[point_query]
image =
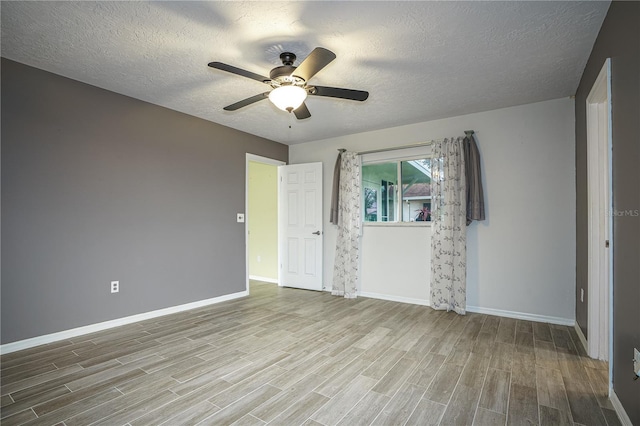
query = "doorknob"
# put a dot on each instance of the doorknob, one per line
(316, 233)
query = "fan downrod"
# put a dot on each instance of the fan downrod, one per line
(287, 58)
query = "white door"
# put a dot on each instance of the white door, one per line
(300, 225)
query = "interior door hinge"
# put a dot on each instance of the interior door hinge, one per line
(606, 243)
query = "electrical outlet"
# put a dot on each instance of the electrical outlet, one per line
(582, 294)
(115, 286)
(636, 361)
(259, 259)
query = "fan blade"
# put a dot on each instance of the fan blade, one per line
(239, 71)
(313, 63)
(302, 112)
(248, 101)
(336, 92)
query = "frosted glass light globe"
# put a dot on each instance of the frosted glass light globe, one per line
(288, 98)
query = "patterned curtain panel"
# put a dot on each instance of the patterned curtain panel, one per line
(449, 233)
(347, 263)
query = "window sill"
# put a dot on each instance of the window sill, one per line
(397, 224)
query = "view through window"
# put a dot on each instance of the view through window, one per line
(397, 191)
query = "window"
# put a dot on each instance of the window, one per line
(416, 190)
(398, 189)
(380, 182)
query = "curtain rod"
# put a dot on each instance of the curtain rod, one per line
(468, 133)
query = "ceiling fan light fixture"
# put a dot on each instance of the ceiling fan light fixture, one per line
(288, 98)
(289, 83)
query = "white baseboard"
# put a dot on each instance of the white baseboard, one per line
(477, 309)
(264, 279)
(583, 340)
(392, 298)
(620, 411)
(75, 332)
(522, 316)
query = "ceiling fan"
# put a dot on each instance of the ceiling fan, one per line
(289, 83)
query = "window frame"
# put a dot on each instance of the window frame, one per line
(395, 156)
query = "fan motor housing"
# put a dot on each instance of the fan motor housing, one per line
(281, 76)
(282, 71)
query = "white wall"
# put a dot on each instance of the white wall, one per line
(521, 259)
(395, 262)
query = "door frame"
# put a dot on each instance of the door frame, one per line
(264, 160)
(600, 223)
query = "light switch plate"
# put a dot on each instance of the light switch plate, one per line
(636, 361)
(240, 218)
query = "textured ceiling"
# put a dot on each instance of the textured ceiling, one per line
(419, 60)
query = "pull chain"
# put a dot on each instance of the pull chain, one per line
(291, 115)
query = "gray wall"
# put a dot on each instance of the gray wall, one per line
(619, 39)
(97, 186)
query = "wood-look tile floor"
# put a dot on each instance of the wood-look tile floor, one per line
(288, 357)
